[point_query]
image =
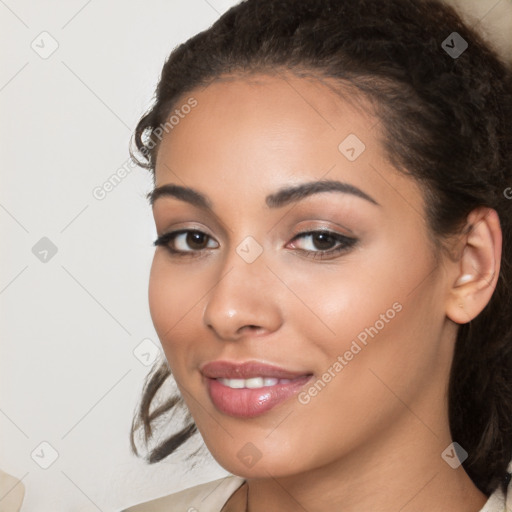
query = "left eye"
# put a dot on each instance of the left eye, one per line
(324, 242)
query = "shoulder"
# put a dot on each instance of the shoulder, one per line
(498, 501)
(208, 497)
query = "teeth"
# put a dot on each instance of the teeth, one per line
(234, 383)
(252, 383)
(255, 382)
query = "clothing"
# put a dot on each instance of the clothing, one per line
(12, 492)
(212, 496)
(209, 497)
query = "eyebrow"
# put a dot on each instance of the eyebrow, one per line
(282, 197)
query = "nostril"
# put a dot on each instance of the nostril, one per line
(251, 327)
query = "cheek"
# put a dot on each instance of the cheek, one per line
(172, 297)
(386, 314)
(378, 311)
(356, 297)
(161, 297)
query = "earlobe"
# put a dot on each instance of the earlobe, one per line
(477, 268)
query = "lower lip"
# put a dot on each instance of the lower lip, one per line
(248, 403)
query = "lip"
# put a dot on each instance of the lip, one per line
(247, 370)
(245, 402)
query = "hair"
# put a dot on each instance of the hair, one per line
(444, 123)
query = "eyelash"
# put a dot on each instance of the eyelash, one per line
(345, 242)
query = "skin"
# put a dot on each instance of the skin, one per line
(372, 439)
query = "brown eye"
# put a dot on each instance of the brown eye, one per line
(321, 243)
(195, 239)
(185, 241)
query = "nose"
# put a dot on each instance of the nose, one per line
(244, 300)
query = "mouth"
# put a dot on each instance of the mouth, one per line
(250, 389)
(253, 382)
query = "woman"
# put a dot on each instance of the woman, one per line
(331, 279)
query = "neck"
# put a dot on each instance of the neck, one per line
(401, 470)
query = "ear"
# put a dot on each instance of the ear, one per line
(477, 268)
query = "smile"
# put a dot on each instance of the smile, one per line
(248, 389)
(253, 383)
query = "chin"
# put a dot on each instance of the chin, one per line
(248, 461)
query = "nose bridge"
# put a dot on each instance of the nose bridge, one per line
(243, 295)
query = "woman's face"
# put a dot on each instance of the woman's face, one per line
(353, 319)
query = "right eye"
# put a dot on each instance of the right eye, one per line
(185, 242)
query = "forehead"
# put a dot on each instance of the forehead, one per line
(265, 116)
(247, 137)
(310, 95)
(315, 98)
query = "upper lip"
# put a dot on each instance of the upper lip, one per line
(246, 370)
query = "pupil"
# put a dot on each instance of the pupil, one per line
(324, 239)
(195, 238)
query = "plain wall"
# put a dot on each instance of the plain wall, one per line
(72, 320)
(68, 374)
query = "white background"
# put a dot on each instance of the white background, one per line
(68, 374)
